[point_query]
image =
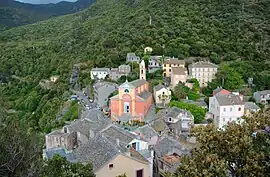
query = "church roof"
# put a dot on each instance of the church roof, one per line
(138, 82)
(127, 85)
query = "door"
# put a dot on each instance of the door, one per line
(126, 107)
(139, 173)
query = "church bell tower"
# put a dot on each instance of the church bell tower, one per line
(142, 70)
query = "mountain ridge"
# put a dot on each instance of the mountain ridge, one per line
(14, 13)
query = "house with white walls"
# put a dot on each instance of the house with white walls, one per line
(99, 73)
(226, 108)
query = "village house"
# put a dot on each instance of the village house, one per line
(178, 120)
(131, 57)
(79, 131)
(54, 78)
(169, 63)
(109, 159)
(203, 71)
(155, 64)
(148, 50)
(134, 99)
(178, 74)
(168, 153)
(262, 96)
(148, 134)
(251, 108)
(162, 95)
(58, 139)
(226, 107)
(99, 73)
(122, 70)
(160, 127)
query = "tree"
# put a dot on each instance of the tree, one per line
(197, 111)
(181, 91)
(123, 175)
(238, 150)
(196, 85)
(59, 166)
(20, 148)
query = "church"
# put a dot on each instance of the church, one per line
(134, 99)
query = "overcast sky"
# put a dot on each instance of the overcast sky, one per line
(43, 1)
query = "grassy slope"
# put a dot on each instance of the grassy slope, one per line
(106, 31)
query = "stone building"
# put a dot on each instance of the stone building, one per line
(203, 71)
(134, 99)
(171, 63)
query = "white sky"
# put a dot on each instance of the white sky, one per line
(43, 1)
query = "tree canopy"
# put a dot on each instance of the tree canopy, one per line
(238, 150)
(59, 166)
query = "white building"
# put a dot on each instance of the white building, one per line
(99, 73)
(204, 72)
(226, 108)
(162, 95)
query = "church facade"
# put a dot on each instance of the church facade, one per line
(134, 99)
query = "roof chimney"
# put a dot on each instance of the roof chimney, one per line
(117, 142)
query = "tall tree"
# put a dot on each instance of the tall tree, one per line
(20, 148)
(234, 151)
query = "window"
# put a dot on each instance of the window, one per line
(224, 109)
(110, 166)
(231, 109)
(163, 93)
(134, 146)
(126, 91)
(170, 119)
(139, 173)
(239, 109)
(142, 71)
(170, 70)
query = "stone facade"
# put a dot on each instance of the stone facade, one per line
(155, 64)
(169, 64)
(204, 72)
(178, 74)
(58, 138)
(99, 73)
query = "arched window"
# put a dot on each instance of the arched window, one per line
(126, 91)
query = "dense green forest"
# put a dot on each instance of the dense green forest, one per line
(14, 13)
(231, 31)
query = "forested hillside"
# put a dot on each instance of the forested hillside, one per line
(233, 31)
(14, 13)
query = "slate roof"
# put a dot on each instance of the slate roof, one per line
(159, 87)
(159, 125)
(179, 71)
(147, 131)
(138, 82)
(91, 120)
(101, 69)
(49, 153)
(115, 133)
(251, 106)
(174, 61)
(168, 146)
(145, 95)
(264, 92)
(57, 133)
(203, 64)
(98, 151)
(224, 100)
